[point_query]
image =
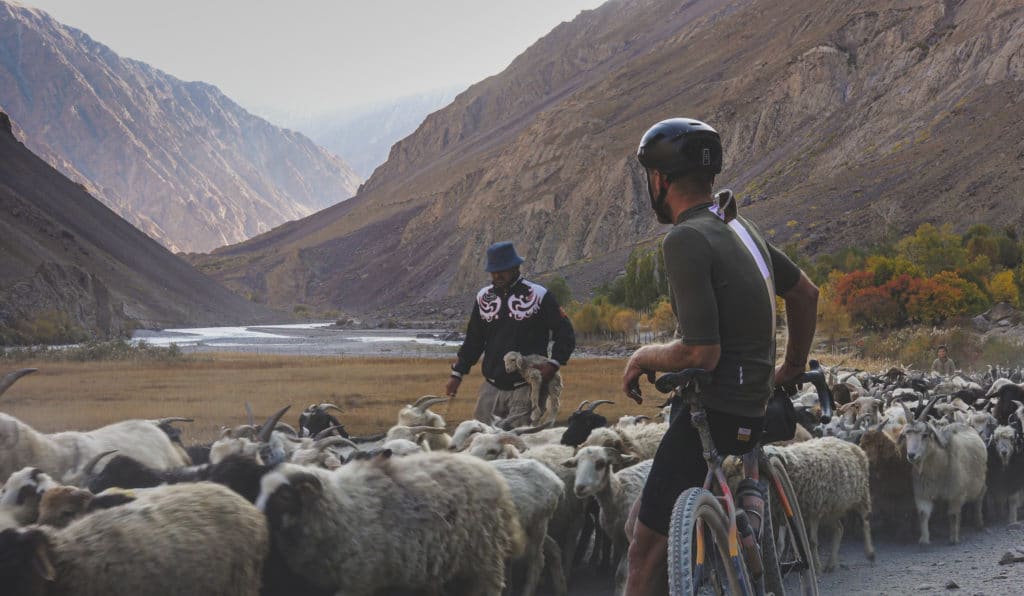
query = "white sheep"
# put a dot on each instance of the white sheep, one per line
(62, 453)
(641, 441)
(615, 492)
(544, 398)
(20, 497)
(418, 414)
(198, 539)
(947, 464)
(416, 522)
(536, 492)
(830, 478)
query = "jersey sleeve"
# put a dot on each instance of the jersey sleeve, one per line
(688, 262)
(785, 271)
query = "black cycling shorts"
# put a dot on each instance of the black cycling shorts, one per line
(679, 463)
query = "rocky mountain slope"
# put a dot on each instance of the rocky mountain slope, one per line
(839, 118)
(179, 160)
(65, 257)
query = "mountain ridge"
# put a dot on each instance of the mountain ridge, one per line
(830, 112)
(65, 256)
(179, 159)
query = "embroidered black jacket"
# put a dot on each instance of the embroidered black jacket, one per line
(523, 320)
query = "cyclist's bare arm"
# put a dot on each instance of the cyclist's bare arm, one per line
(666, 357)
(801, 320)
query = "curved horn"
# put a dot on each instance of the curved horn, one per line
(583, 403)
(928, 408)
(327, 432)
(418, 403)
(326, 442)
(248, 414)
(10, 378)
(433, 400)
(271, 423)
(907, 412)
(175, 419)
(89, 465)
(529, 430)
(426, 429)
(287, 427)
(328, 406)
(594, 405)
(641, 417)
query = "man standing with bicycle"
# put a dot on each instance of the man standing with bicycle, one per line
(723, 279)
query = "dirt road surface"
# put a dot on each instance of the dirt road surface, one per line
(901, 568)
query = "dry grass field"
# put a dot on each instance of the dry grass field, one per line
(213, 388)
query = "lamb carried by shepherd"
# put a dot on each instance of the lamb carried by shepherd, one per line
(545, 398)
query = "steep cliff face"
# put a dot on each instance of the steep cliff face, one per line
(66, 259)
(830, 112)
(179, 160)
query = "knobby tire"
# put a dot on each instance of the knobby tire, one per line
(719, 576)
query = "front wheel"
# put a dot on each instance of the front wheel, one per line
(699, 561)
(791, 569)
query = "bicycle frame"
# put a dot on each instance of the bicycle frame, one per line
(724, 495)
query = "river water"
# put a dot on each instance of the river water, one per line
(306, 339)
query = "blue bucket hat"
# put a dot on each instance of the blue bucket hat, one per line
(502, 256)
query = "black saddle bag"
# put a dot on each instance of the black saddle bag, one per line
(779, 418)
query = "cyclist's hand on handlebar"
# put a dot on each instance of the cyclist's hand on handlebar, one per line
(631, 379)
(787, 373)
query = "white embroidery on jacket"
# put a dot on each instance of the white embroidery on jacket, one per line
(489, 303)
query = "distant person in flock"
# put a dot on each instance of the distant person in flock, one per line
(944, 365)
(511, 314)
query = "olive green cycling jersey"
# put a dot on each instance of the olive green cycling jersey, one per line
(723, 279)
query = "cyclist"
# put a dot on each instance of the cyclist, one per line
(723, 279)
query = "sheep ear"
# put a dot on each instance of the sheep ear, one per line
(569, 463)
(41, 563)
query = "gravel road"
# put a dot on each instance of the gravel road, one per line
(901, 568)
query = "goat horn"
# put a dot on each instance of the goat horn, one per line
(594, 405)
(426, 429)
(418, 402)
(426, 404)
(327, 432)
(175, 419)
(287, 427)
(326, 442)
(907, 412)
(928, 408)
(328, 406)
(11, 377)
(248, 414)
(89, 465)
(529, 430)
(641, 417)
(579, 408)
(271, 424)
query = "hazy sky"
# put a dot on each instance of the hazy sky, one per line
(315, 55)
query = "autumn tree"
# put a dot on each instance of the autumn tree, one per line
(934, 249)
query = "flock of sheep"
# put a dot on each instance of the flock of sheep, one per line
(273, 509)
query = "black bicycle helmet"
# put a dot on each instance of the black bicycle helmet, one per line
(680, 146)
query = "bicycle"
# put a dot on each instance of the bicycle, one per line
(703, 516)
